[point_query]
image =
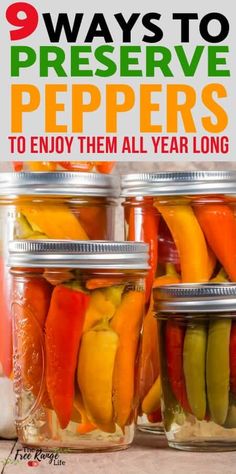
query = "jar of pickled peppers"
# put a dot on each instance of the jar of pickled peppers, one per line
(197, 344)
(49, 206)
(78, 311)
(189, 221)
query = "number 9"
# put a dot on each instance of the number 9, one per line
(25, 26)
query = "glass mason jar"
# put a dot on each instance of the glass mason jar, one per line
(78, 311)
(197, 334)
(104, 167)
(44, 206)
(189, 220)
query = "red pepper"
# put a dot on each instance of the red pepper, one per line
(18, 165)
(143, 227)
(63, 333)
(105, 167)
(232, 352)
(155, 417)
(174, 341)
(219, 226)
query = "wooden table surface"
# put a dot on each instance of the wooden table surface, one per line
(148, 455)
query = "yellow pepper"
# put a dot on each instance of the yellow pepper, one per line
(152, 401)
(95, 373)
(23, 230)
(57, 222)
(103, 304)
(196, 264)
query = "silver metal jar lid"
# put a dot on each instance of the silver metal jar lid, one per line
(178, 183)
(59, 184)
(79, 254)
(192, 298)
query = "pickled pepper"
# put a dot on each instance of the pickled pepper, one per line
(62, 339)
(174, 342)
(57, 222)
(189, 240)
(127, 323)
(95, 372)
(219, 226)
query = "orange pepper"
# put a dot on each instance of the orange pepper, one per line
(94, 220)
(84, 428)
(189, 240)
(42, 166)
(95, 283)
(105, 167)
(127, 323)
(56, 222)
(219, 226)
